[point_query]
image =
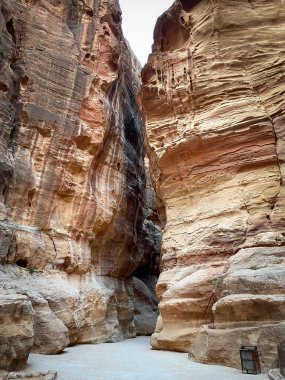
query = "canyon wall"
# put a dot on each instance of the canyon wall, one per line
(213, 96)
(77, 217)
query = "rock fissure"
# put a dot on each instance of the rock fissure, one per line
(270, 118)
(54, 246)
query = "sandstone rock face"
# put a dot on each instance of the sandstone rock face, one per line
(16, 331)
(74, 216)
(213, 95)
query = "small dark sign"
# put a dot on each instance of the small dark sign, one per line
(250, 360)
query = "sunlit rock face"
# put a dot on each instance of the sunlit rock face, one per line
(213, 96)
(74, 214)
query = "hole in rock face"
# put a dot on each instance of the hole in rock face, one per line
(112, 26)
(89, 12)
(147, 74)
(174, 36)
(24, 82)
(22, 263)
(83, 142)
(187, 5)
(117, 17)
(11, 30)
(113, 66)
(31, 194)
(143, 273)
(3, 87)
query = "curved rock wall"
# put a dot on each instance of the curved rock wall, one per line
(213, 95)
(74, 222)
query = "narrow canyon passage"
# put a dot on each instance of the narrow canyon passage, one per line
(142, 201)
(129, 360)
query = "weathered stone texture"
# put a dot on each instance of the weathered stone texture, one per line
(213, 96)
(274, 374)
(29, 375)
(73, 199)
(16, 331)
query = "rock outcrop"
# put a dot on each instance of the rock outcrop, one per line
(213, 95)
(74, 216)
(16, 331)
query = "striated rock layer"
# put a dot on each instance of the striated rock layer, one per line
(213, 95)
(75, 218)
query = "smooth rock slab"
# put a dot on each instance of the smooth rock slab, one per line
(24, 376)
(129, 360)
(274, 374)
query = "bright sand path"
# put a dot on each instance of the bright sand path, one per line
(130, 360)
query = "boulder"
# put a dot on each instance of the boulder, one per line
(16, 331)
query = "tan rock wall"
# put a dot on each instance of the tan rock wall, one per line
(71, 149)
(213, 99)
(73, 202)
(16, 331)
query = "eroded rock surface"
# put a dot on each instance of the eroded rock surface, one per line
(16, 331)
(213, 95)
(74, 219)
(274, 374)
(50, 375)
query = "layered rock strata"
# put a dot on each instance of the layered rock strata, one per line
(74, 213)
(213, 95)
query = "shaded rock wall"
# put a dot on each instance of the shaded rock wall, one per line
(16, 331)
(74, 214)
(213, 95)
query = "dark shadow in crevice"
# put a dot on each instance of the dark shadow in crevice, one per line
(11, 30)
(187, 5)
(22, 263)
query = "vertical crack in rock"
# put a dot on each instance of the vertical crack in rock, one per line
(124, 146)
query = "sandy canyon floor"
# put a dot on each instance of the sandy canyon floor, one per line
(129, 360)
